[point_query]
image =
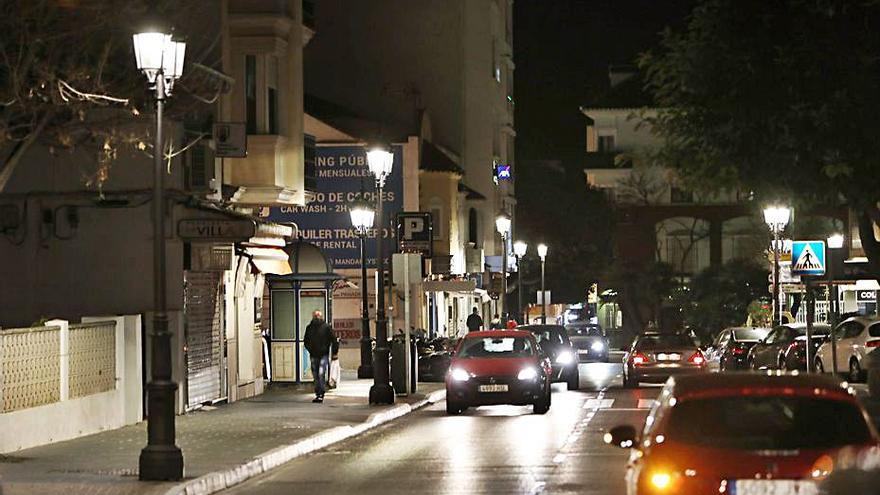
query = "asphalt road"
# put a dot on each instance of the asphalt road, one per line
(499, 449)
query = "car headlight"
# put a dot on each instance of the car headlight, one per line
(527, 374)
(597, 346)
(459, 375)
(564, 357)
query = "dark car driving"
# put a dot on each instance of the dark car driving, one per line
(558, 347)
(589, 341)
(654, 357)
(784, 348)
(730, 350)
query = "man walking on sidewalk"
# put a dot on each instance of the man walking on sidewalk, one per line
(319, 340)
(474, 322)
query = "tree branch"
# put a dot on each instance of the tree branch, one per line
(21, 149)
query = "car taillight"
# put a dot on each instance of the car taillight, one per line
(872, 343)
(697, 358)
(738, 350)
(639, 358)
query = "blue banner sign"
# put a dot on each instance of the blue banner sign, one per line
(342, 174)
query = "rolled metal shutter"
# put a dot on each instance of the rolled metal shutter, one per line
(204, 337)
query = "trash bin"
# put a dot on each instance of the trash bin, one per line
(398, 372)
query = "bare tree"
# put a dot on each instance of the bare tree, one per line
(67, 76)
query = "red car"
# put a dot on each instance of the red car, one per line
(498, 367)
(743, 434)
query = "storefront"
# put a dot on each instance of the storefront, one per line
(293, 298)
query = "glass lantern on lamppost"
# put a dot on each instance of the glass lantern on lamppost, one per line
(362, 217)
(380, 161)
(519, 250)
(776, 217)
(835, 243)
(542, 253)
(160, 58)
(502, 225)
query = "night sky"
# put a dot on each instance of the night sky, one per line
(562, 52)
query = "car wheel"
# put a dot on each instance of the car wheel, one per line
(542, 405)
(574, 379)
(855, 371)
(454, 408)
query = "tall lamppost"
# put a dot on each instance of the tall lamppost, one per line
(380, 161)
(519, 250)
(542, 253)
(362, 218)
(160, 58)
(835, 242)
(776, 217)
(502, 225)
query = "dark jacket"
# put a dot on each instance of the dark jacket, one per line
(319, 338)
(474, 322)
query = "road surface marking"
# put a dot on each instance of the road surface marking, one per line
(598, 403)
(645, 403)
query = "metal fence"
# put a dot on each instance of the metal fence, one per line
(92, 358)
(30, 367)
(822, 313)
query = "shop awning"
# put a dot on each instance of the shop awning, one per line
(270, 260)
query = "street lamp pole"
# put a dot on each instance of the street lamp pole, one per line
(362, 218)
(380, 161)
(835, 242)
(161, 60)
(542, 253)
(519, 250)
(502, 225)
(777, 218)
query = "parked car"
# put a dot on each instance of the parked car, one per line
(654, 357)
(743, 433)
(554, 340)
(785, 347)
(731, 347)
(434, 358)
(498, 367)
(856, 337)
(589, 341)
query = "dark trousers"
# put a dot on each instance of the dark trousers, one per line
(320, 371)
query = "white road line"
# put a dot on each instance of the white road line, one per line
(598, 403)
(645, 403)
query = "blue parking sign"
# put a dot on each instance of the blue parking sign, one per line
(808, 258)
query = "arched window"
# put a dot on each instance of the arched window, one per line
(473, 227)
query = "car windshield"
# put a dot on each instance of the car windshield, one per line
(746, 334)
(498, 347)
(548, 334)
(648, 342)
(584, 331)
(767, 423)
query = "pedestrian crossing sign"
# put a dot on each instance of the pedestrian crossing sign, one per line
(808, 258)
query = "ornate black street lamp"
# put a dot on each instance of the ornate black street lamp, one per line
(160, 58)
(380, 161)
(362, 217)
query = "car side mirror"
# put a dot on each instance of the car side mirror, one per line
(623, 436)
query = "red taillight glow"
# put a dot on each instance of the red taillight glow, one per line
(697, 358)
(738, 350)
(872, 343)
(639, 358)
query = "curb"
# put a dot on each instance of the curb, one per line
(220, 480)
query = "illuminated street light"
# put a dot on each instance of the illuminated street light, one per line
(777, 218)
(502, 225)
(519, 250)
(835, 242)
(380, 160)
(542, 253)
(160, 58)
(362, 217)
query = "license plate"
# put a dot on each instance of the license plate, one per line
(583, 351)
(774, 487)
(493, 388)
(668, 357)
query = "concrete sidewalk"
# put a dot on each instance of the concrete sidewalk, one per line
(221, 445)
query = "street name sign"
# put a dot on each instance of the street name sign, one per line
(808, 258)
